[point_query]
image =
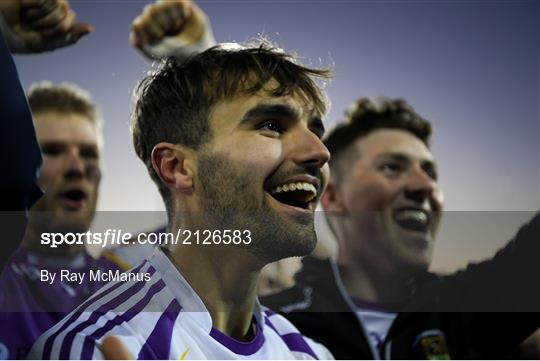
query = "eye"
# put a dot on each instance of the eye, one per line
(432, 173)
(390, 169)
(271, 125)
(89, 153)
(317, 127)
(52, 149)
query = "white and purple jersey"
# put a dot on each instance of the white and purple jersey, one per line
(157, 315)
(30, 305)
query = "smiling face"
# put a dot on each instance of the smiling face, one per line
(70, 174)
(262, 171)
(390, 202)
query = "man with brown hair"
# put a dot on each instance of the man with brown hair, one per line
(378, 300)
(232, 138)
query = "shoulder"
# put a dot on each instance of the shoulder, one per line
(127, 256)
(122, 306)
(293, 339)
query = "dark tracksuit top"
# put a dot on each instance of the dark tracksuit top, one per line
(20, 157)
(437, 322)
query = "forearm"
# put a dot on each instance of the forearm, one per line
(19, 151)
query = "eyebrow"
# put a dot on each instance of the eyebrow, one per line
(404, 158)
(264, 110)
(282, 110)
(397, 156)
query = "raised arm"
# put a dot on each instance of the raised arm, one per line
(176, 28)
(34, 26)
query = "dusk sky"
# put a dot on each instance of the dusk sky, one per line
(471, 67)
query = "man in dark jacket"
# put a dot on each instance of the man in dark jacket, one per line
(384, 204)
(25, 27)
(18, 183)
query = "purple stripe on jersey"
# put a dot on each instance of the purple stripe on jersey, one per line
(158, 344)
(294, 341)
(106, 307)
(90, 340)
(47, 349)
(269, 324)
(239, 348)
(269, 313)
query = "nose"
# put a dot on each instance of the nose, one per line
(421, 187)
(75, 167)
(309, 149)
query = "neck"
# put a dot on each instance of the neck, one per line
(371, 284)
(224, 282)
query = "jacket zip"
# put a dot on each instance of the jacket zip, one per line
(347, 298)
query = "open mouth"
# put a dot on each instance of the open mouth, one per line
(412, 219)
(296, 194)
(74, 198)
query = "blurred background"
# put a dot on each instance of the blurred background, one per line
(471, 67)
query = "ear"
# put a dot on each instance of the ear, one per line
(331, 200)
(173, 165)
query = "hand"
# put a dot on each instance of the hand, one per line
(177, 18)
(114, 349)
(10, 9)
(42, 25)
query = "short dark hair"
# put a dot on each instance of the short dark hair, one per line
(174, 103)
(367, 115)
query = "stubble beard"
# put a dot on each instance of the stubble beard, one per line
(228, 200)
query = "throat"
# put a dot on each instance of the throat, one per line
(239, 326)
(228, 291)
(377, 288)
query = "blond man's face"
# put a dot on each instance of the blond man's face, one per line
(71, 170)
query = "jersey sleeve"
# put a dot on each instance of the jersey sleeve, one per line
(320, 350)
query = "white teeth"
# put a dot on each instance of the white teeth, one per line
(412, 214)
(295, 186)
